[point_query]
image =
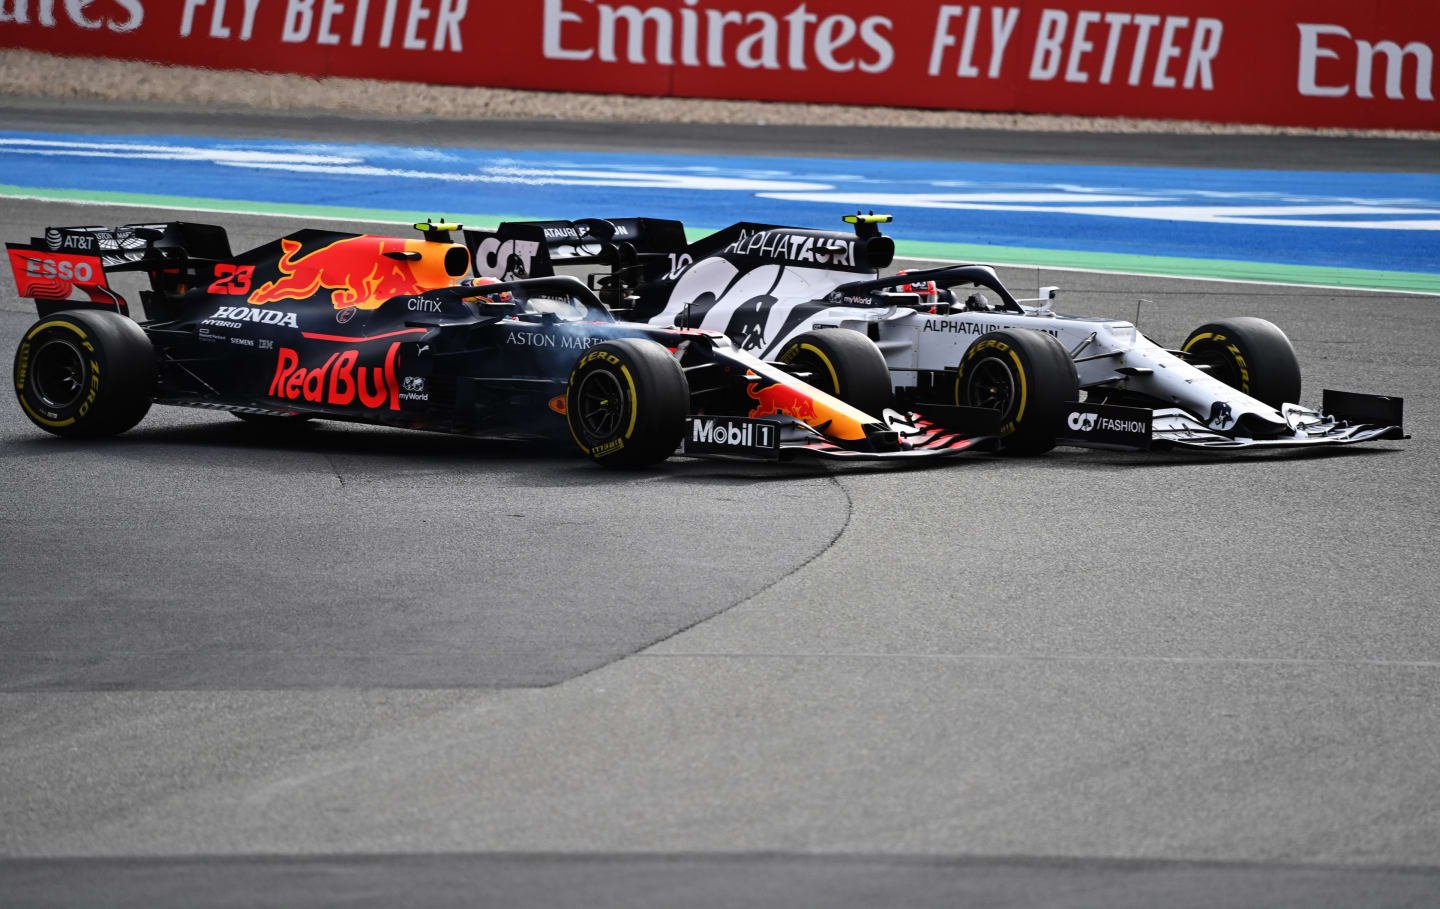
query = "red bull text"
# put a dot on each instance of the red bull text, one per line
(338, 381)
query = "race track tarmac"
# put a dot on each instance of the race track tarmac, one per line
(380, 668)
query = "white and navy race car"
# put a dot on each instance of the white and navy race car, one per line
(950, 335)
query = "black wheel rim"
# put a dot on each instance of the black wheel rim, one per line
(817, 373)
(57, 373)
(601, 405)
(991, 383)
(1216, 361)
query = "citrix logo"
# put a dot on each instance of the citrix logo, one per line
(1081, 422)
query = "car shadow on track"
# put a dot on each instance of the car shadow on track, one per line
(407, 448)
(1109, 460)
(455, 452)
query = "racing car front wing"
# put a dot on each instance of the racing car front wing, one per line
(1344, 419)
(784, 438)
(1177, 429)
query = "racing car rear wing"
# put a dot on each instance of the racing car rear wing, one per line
(51, 269)
(532, 249)
(637, 250)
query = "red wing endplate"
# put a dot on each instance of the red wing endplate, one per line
(53, 276)
(927, 440)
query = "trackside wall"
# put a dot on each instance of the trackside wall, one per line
(1285, 62)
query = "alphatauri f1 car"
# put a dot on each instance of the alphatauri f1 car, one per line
(399, 332)
(953, 334)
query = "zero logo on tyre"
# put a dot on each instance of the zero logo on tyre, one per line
(85, 373)
(1242, 369)
(1028, 378)
(625, 402)
(52, 374)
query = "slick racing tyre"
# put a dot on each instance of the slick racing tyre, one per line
(1026, 375)
(843, 363)
(1250, 354)
(626, 403)
(85, 373)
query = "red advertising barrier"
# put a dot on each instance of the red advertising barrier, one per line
(1352, 63)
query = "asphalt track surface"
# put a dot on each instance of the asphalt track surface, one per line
(372, 667)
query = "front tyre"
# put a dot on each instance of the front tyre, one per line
(626, 403)
(1248, 354)
(85, 373)
(1026, 375)
(842, 363)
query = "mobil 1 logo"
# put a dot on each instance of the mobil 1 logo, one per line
(1106, 426)
(734, 436)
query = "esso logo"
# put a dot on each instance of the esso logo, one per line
(82, 272)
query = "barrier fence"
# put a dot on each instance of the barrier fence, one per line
(1346, 63)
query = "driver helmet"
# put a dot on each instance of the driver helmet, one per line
(482, 281)
(977, 302)
(927, 290)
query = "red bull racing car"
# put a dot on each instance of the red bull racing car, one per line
(953, 334)
(399, 332)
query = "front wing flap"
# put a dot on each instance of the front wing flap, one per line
(785, 438)
(1344, 419)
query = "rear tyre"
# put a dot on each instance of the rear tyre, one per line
(1026, 375)
(85, 373)
(1248, 354)
(626, 403)
(842, 363)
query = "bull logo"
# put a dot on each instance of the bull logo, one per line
(776, 399)
(356, 271)
(747, 326)
(1220, 415)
